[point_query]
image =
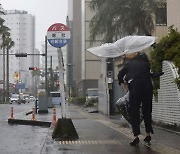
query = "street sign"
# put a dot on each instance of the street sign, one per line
(58, 35)
(20, 86)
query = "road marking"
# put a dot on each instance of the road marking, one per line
(91, 142)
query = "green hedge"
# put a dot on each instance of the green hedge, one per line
(78, 100)
(168, 48)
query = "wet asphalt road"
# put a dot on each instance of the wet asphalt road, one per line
(98, 134)
(19, 139)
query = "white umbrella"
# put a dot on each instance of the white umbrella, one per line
(122, 46)
(105, 50)
(131, 44)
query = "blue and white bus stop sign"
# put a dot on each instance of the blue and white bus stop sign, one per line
(58, 35)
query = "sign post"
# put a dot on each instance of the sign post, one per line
(58, 35)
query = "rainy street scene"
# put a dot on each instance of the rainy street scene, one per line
(90, 77)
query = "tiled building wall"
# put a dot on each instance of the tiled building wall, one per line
(167, 109)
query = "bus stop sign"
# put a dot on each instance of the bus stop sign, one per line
(58, 35)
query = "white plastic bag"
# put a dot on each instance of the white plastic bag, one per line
(123, 106)
(123, 100)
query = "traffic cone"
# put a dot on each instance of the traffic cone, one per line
(12, 113)
(54, 117)
(33, 114)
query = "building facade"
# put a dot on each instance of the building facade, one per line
(173, 13)
(85, 66)
(22, 30)
(168, 16)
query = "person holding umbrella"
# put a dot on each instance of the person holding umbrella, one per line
(137, 74)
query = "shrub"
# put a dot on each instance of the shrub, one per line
(78, 100)
(168, 48)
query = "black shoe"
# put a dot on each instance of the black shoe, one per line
(135, 142)
(147, 139)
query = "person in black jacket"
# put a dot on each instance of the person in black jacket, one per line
(136, 72)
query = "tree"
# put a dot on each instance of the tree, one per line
(4, 32)
(36, 72)
(9, 44)
(1, 9)
(116, 18)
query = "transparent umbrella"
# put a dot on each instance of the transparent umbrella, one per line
(108, 50)
(131, 44)
(123, 46)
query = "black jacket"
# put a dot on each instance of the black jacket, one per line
(138, 67)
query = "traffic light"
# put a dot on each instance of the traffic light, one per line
(33, 68)
(21, 54)
(16, 76)
(57, 83)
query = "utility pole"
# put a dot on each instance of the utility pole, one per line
(51, 73)
(69, 77)
(7, 75)
(3, 37)
(46, 85)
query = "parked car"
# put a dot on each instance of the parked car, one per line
(91, 96)
(15, 98)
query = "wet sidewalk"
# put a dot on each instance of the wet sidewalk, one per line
(100, 134)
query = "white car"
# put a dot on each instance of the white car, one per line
(14, 98)
(26, 98)
(32, 98)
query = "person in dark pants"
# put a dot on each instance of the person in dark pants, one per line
(136, 72)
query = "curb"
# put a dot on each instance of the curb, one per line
(29, 122)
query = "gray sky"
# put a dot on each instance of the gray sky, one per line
(46, 12)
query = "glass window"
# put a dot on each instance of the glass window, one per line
(161, 15)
